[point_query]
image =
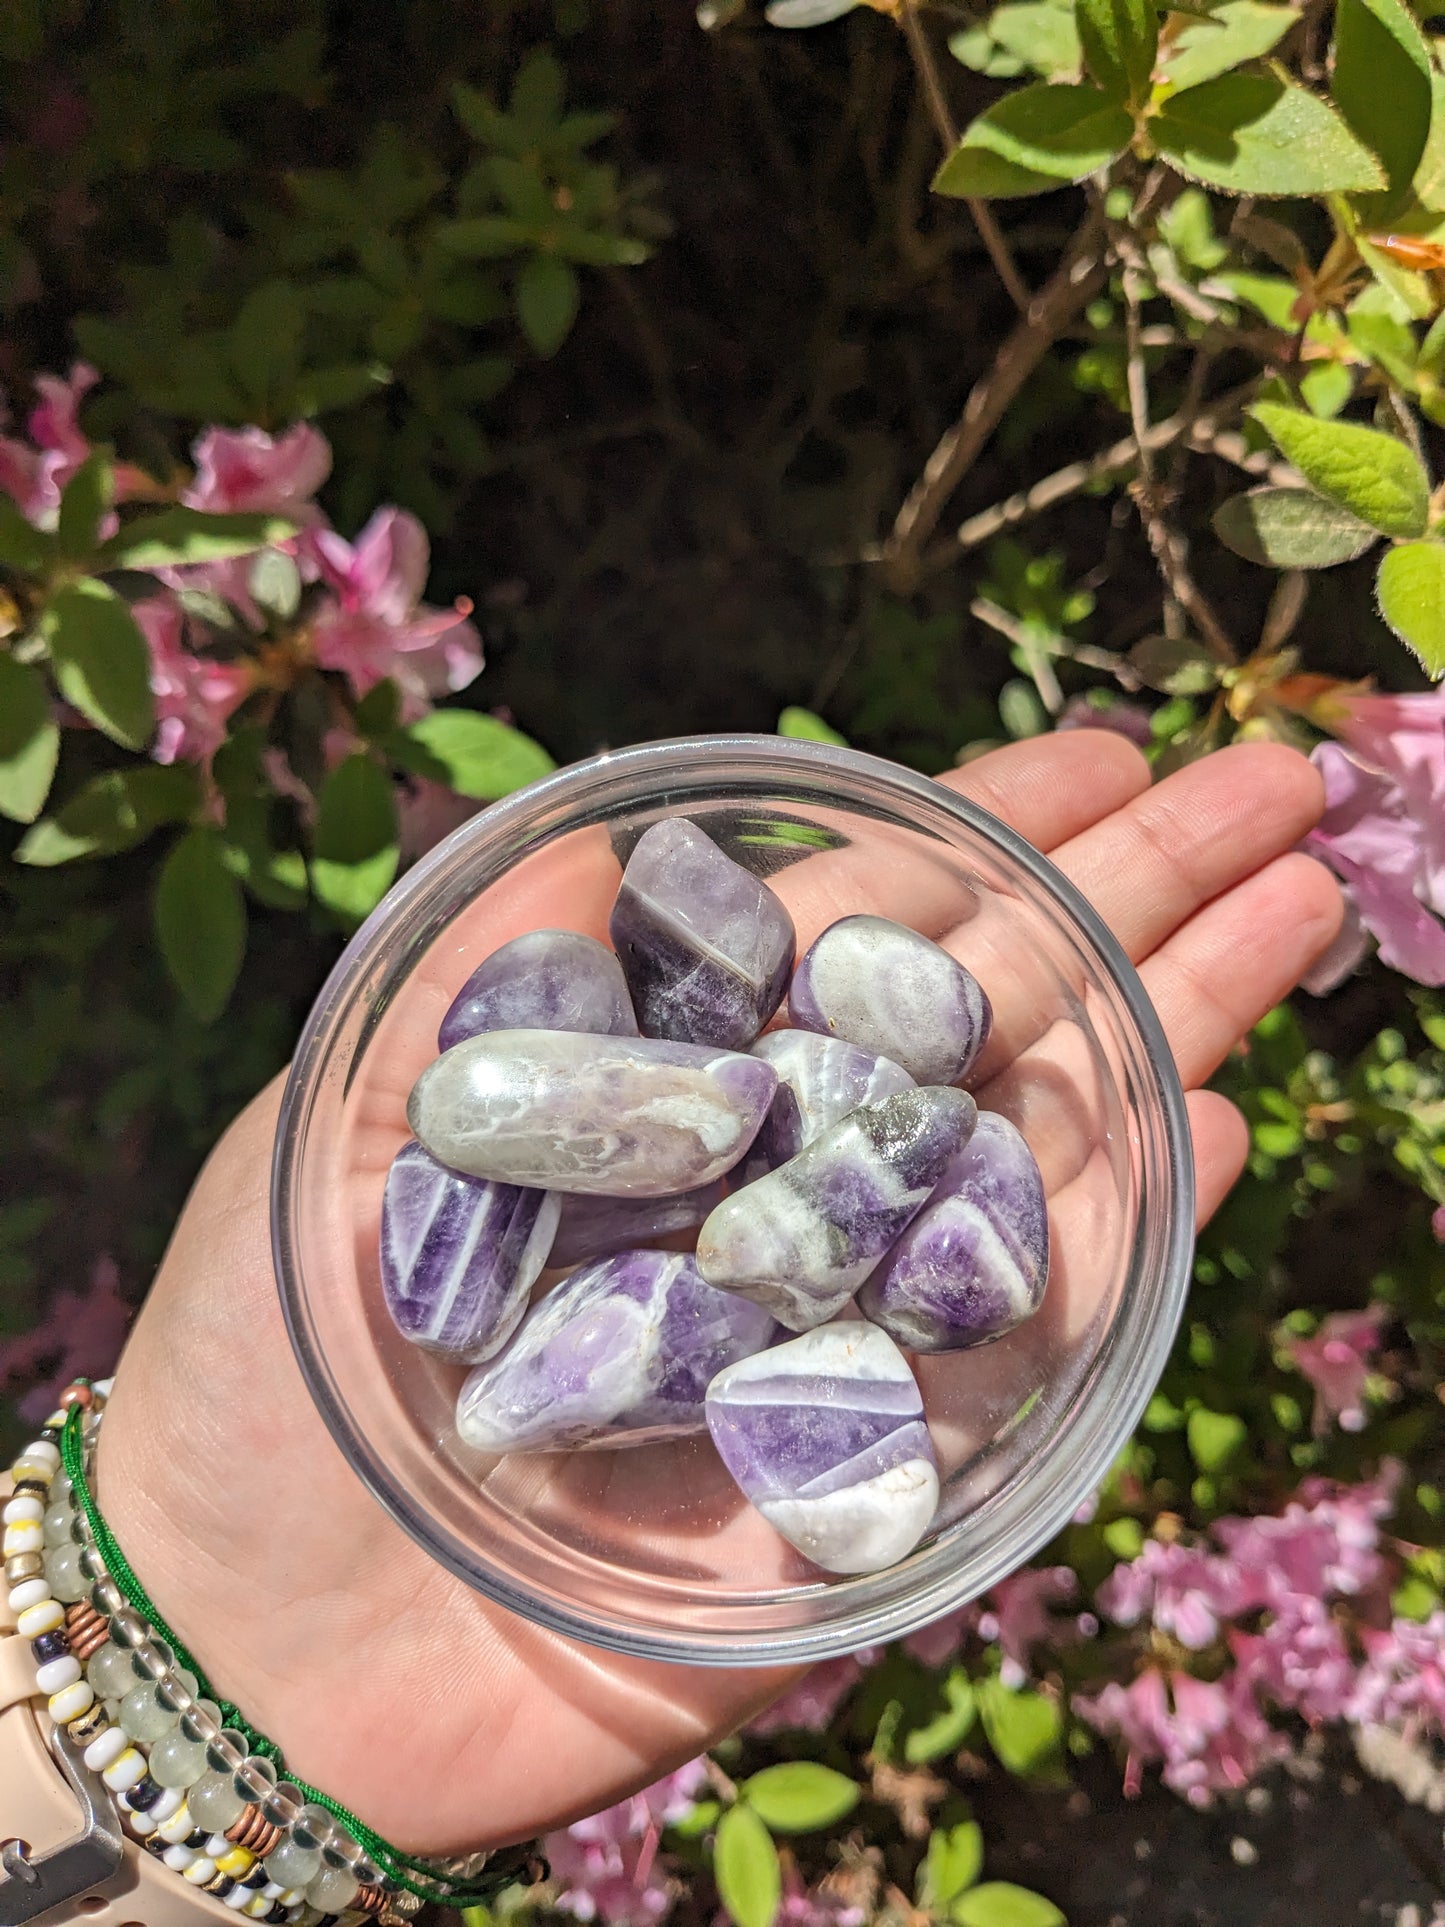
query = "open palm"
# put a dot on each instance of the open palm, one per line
(441, 1719)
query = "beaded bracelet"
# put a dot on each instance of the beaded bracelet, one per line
(194, 1782)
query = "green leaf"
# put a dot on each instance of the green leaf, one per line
(745, 1864)
(547, 294)
(201, 922)
(952, 1864)
(1257, 134)
(810, 728)
(1175, 665)
(1229, 35)
(22, 547)
(973, 173)
(1042, 37)
(275, 583)
(1411, 588)
(1291, 528)
(1120, 39)
(949, 1727)
(1214, 1437)
(29, 741)
(1326, 388)
(275, 877)
(376, 714)
(264, 342)
(111, 813)
(1375, 476)
(799, 1796)
(998, 1903)
(356, 851)
(1024, 1729)
(486, 237)
(473, 754)
(101, 661)
(1381, 82)
(1061, 133)
(87, 497)
(175, 537)
(1429, 183)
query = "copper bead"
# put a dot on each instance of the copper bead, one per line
(254, 1832)
(77, 1394)
(85, 1629)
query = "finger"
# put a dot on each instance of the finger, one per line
(1238, 957)
(1221, 1145)
(1052, 787)
(1152, 865)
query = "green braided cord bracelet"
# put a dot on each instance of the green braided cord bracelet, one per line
(408, 1872)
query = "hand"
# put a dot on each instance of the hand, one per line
(441, 1719)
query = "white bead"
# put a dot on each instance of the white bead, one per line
(45, 1617)
(103, 1387)
(126, 1770)
(201, 1869)
(141, 1825)
(177, 1823)
(272, 1890)
(24, 1536)
(217, 1845)
(71, 1701)
(179, 1857)
(104, 1748)
(30, 1592)
(292, 1896)
(236, 1899)
(57, 1673)
(170, 1802)
(47, 1454)
(26, 1506)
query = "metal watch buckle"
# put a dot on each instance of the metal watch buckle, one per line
(39, 1882)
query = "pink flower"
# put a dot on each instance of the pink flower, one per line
(1210, 1736)
(1437, 1224)
(809, 1706)
(194, 694)
(80, 1334)
(247, 471)
(1402, 1681)
(933, 1645)
(1383, 830)
(374, 624)
(1336, 1361)
(1137, 1714)
(1300, 1660)
(818, 1908)
(1124, 719)
(35, 476)
(606, 1866)
(1185, 1591)
(1019, 1615)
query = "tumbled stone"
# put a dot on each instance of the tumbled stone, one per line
(879, 984)
(546, 980)
(802, 1239)
(820, 1080)
(621, 1353)
(459, 1255)
(596, 1227)
(826, 1436)
(622, 1116)
(705, 946)
(975, 1263)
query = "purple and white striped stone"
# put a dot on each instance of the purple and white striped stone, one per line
(459, 1256)
(820, 1080)
(621, 1116)
(706, 947)
(826, 1436)
(975, 1263)
(597, 1227)
(802, 1239)
(545, 980)
(621, 1353)
(883, 986)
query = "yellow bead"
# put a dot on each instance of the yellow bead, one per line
(201, 1869)
(236, 1862)
(125, 1770)
(25, 1535)
(178, 1826)
(71, 1701)
(31, 1469)
(44, 1618)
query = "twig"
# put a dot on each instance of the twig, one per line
(1077, 280)
(1029, 647)
(989, 231)
(1183, 597)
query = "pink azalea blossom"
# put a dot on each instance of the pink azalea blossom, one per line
(194, 694)
(934, 1645)
(1136, 1714)
(374, 624)
(1184, 1590)
(606, 1867)
(35, 473)
(1383, 830)
(80, 1335)
(1336, 1361)
(246, 471)
(1300, 1661)
(1402, 1681)
(1209, 1736)
(1018, 1616)
(1437, 1224)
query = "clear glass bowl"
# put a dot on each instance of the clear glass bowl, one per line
(651, 1550)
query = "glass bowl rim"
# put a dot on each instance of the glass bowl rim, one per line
(805, 761)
